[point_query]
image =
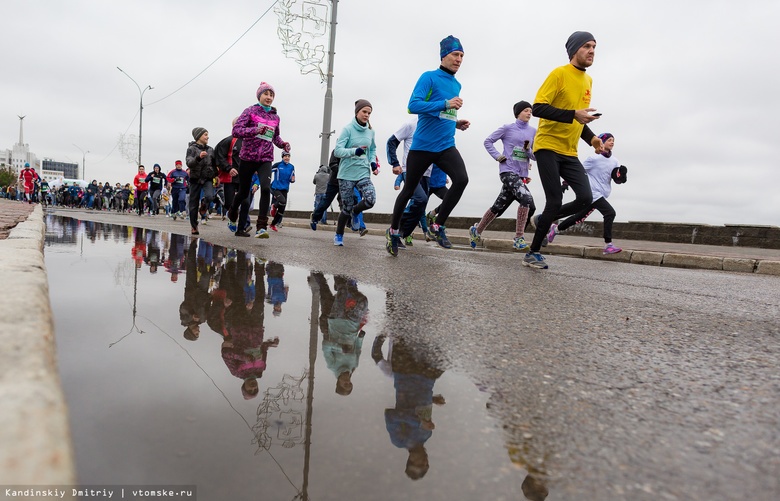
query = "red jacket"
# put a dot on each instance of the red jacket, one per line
(139, 181)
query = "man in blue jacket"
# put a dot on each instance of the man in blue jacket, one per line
(436, 101)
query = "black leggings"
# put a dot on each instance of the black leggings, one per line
(600, 205)
(417, 163)
(552, 167)
(245, 171)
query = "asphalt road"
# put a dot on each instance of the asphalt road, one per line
(613, 381)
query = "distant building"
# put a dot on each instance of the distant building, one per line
(63, 169)
(51, 170)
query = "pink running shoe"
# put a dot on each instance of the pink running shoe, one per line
(611, 249)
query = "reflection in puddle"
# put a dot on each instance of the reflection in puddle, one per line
(248, 378)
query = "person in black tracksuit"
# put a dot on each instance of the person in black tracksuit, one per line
(226, 153)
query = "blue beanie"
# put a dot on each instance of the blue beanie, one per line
(449, 44)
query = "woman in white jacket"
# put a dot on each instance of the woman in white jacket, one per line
(600, 170)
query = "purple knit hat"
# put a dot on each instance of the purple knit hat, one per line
(264, 87)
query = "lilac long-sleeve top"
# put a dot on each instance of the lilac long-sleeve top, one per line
(518, 142)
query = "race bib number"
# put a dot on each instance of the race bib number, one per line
(268, 135)
(451, 114)
(520, 154)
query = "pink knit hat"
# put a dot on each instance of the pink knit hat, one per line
(264, 87)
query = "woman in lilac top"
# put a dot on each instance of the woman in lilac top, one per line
(513, 163)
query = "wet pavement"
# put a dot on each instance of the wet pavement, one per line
(591, 380)
(188, 363)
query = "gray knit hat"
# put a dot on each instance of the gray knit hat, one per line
(197, 132)
(362, 103)
(577, 40)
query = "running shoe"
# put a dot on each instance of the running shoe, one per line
(312, 222)
(474, 236)
(363, 232)
(409, 241)
(273, 210)
(441, 237)
(551, 234)
(430, 236)
(392, 242)
(175, 215)
(611, 249)
(262, 233)
(242, 233)
(534, 260)
(355, 225)
(194, 231)
(519, 244)
(273, 227)
(338, 240)
(232, 225)
(430, 218)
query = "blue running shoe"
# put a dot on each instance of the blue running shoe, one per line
(441, 237)
(338, 240)
(355, 224)
(534, 260)
(392, 242)
(474, 236)
(312, 222)
(262, 233)
(232, 225)
(520, 244)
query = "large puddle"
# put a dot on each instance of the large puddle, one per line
(187, 363)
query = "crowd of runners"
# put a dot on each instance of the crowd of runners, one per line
(225, 179)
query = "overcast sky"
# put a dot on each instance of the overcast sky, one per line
(685, 88)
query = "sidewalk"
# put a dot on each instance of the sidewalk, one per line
(677, 255)
(35, 436)
(11, 214)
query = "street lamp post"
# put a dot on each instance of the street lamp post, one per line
(140, 111)
(83, 161)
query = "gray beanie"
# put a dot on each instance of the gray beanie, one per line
(197, 132)
(362, 103)
(577, 40)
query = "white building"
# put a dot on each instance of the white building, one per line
(20, 153)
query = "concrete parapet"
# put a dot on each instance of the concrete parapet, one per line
(37, 448)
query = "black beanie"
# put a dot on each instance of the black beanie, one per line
(518, 107)
(577, 40)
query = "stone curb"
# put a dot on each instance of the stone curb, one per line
(667, 259)
(35, 433)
